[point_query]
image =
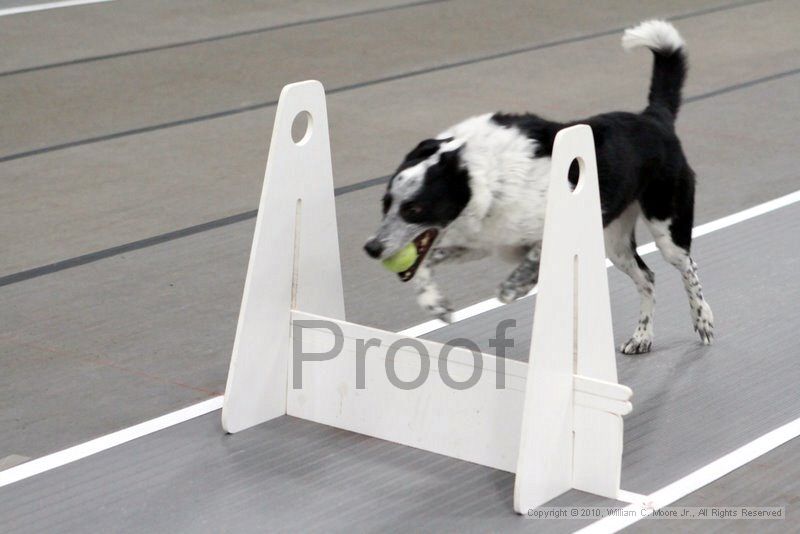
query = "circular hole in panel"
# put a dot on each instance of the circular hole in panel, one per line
(301, 127)
(574, 175)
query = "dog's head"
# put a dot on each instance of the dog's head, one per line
(426, 193)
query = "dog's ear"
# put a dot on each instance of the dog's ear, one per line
(421, 152)
(451, 157)
(424, 149)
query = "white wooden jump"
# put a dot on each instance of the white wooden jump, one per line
(556, 423)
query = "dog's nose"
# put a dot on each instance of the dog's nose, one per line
(374, 248)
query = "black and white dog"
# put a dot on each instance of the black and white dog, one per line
(481, 187)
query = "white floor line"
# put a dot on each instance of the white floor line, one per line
(58, 459)
(696, 480)
(744, 215)
(48, 5)
(630, 497)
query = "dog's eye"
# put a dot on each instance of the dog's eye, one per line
(387, 203)
(412, 210)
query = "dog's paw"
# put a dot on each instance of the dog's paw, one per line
(509, 291)
(442, 311)
(639, 343)
(436, 306)
(446, 316)
(704, 323)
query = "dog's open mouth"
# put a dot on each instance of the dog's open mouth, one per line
(423, 242)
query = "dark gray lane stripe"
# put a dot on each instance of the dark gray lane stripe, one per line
(121, 249)
(247, 215)
(225, 36)
(343, 190)
(743, 85)
(359, 85)
(159, 239)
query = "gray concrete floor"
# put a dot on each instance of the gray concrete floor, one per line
(134, 138)
(691, 406)
(4, 4)
(770, 480)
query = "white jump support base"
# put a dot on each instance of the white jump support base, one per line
(556, 423)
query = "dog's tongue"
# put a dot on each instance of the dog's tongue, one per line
(423, 243)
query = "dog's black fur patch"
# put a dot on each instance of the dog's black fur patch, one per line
(420, 153)
(639, 155)
(444, 193)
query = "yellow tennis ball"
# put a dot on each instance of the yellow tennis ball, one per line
(403, 260)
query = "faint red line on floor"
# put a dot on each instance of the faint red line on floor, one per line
(102, 362)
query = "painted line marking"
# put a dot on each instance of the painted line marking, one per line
(400, 76)
(80, 451)
(630, 497)
(48, 5)
(221, 37)
(83, 450)
(697, 479)
(12, 460)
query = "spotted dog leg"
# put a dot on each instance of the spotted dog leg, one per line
(620, 243)
(678, 256)
(629, 262)
(429, 297)
(523, 278)
(702, 316)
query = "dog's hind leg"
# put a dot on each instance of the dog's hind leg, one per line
(523, 278)
(664, 232)
(671, 226)
(429, 297)
(620, 244)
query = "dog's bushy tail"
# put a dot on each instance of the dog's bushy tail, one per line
(669, 65)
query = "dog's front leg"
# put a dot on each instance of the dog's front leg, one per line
(455, 254)
(429, 297)
(523, 278)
